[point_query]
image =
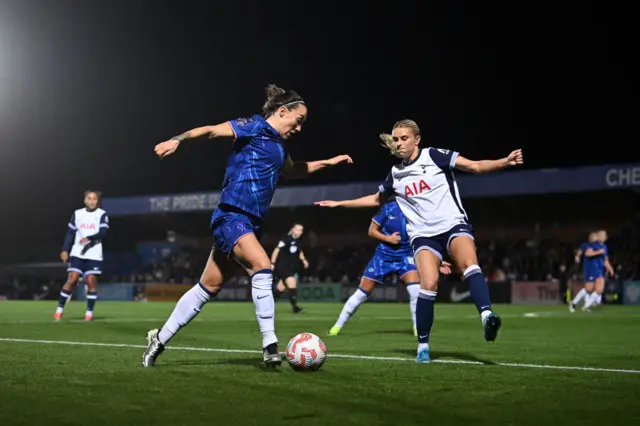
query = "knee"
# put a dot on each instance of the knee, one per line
(71, 282)
(468, 265)
(291, 283)
(429, 283)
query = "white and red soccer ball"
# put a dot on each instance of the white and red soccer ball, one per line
(306, 352)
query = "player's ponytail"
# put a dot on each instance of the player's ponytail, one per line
(387, 142)
(278, 97)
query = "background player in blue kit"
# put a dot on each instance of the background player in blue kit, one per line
(392, 256)
(82, 249)
(602, 265)
(254, 164)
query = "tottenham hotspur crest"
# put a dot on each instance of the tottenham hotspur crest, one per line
(424, 166)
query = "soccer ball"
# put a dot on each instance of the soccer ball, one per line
(306, 352)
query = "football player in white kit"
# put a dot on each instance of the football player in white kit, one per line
(425, 188)
(83, 251)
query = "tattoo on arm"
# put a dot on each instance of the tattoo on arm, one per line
(180, 138)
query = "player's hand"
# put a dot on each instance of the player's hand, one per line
(305, 263)
(327, 203)
(339, 159)
(164, 149)
(445, 268)
(515, 158)
(577, 259)
(394, 238)
(64, 256)
(84, 240)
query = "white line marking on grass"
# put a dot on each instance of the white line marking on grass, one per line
(331, 355)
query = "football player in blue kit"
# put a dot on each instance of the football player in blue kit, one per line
(392, 256)
(256, 160)
(601, 266)
(587, 256)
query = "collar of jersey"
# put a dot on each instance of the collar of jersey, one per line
(268, 127)
(414, 160)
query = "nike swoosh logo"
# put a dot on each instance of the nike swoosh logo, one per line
(459, 297)
(266, 295)
(424, 337)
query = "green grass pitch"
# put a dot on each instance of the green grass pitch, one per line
(546, 367)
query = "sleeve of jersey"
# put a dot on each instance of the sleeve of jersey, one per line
(243, 127)
(379, 217)
(444, 158)
(102, 231)
(387, 187)
(71, 234)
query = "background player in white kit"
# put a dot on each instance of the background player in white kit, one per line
(83, 250)
(425, 188)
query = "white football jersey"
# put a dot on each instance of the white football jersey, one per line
(427, 193)
(86, 223)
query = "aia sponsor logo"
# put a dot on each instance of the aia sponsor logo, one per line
(416, 188)
(91, 226)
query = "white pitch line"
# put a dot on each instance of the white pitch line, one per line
(331, 355)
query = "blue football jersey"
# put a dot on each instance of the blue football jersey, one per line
(589, 264)
(253, 166)
(598, 261)
(392, 220)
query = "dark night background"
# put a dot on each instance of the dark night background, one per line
(88, 88)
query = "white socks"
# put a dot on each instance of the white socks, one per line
(262, 293)
(592, 300)
(351, 306)
(186, 309)
(413, 289)
(581, 295)
(360, 296)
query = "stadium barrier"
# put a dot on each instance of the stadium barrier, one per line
(173, 292)
(320, 292)
(523, 292)
(109, 291)
(535, 293)
(631, 292)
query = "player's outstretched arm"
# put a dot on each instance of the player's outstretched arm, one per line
(299, 169)
(488, 166)
(164, 149)
(372, 200)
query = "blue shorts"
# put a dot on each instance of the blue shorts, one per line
(379, 268)
(592, 274)
(229, 224)
(439, 244)
(84, 266)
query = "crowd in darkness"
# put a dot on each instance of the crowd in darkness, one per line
(534, 259)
